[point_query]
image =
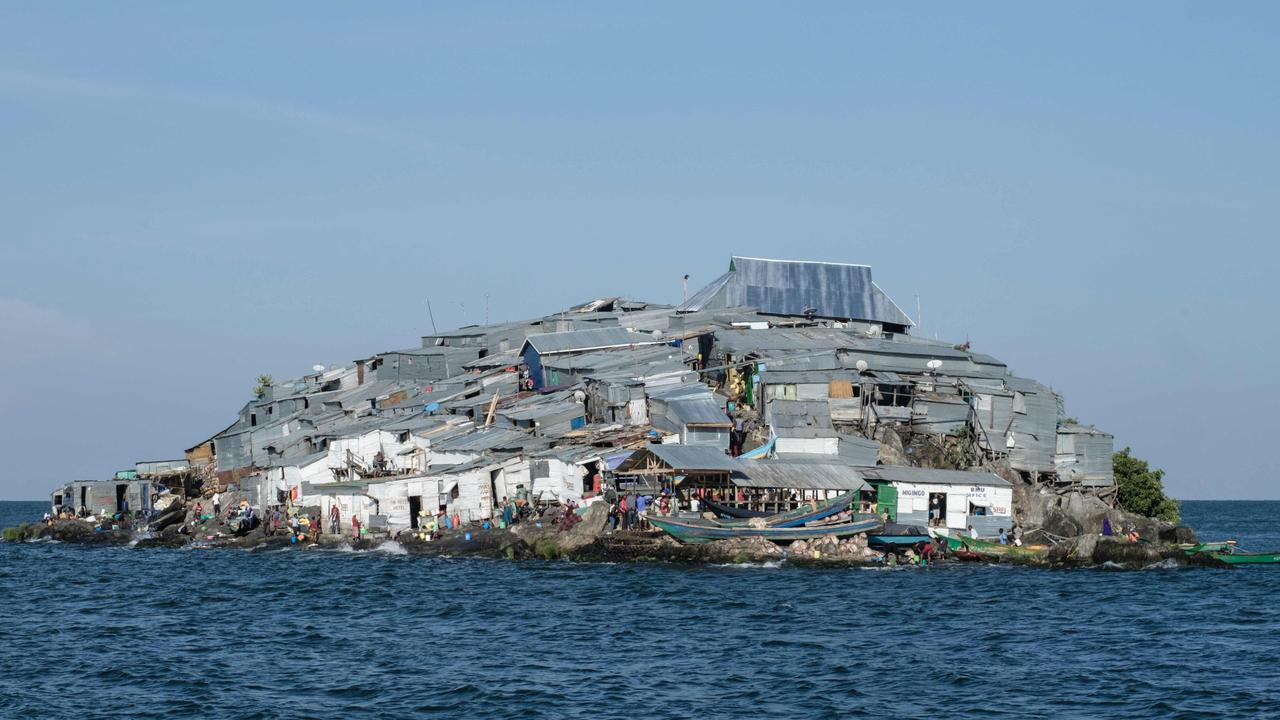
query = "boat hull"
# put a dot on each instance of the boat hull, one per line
(1246, 558)
(702, 531)
(993, 550)
(800, 516)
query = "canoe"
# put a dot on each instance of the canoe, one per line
(1221, 546)
(803, 515)
(694, 531)
(990, 549)
(733, 512)
(1240, 557)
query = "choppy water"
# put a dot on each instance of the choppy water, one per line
(112, 632)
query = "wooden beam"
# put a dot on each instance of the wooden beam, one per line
(493, 406)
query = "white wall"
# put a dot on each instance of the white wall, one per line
(819, 446)
(914, 497)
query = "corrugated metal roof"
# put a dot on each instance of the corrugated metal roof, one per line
(929, 476)
(792, 287)
(798, 474)
(1081, 430)
(486, 439)
(594, 339)
(690, 458)
(697, 411)
(541, 410)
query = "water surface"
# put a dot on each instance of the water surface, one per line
(159, 633)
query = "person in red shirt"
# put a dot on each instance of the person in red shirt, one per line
(926, 553)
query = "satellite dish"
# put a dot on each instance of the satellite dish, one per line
(933, 364)
(318, 368)
(861, 365)
(579, 395)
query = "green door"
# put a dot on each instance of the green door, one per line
(887, 500)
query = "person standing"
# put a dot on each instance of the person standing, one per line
(217, 504)
(935, 511)
(335, 520)
(355, 526)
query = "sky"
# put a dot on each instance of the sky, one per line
(194, 194)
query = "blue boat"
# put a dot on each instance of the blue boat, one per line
(895, 535)
(693, 530)
(808, 512)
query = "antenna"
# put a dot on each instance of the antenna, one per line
(433, 318)
(686, 290)
(919, 314)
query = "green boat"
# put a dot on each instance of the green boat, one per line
(1220, 546)
(1240, 557)
(993, 550)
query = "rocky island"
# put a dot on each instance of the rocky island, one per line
(783, 412)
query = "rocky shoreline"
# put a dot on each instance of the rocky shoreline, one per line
(589, 541)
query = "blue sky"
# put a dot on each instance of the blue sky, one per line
(193, 195)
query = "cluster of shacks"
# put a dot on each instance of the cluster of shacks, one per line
(779, 379)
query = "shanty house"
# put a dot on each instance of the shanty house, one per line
(1084, 456)
(979, 499)
(546, 345)
(691, 466)
(105, 497)
(775, 485)
(692, 412)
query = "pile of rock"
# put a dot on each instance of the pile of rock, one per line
(853, 548)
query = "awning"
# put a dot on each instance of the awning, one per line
(613, 461)
(980, 502)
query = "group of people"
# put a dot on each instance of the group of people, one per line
(1014, 539)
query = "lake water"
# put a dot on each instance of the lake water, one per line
(112, 632)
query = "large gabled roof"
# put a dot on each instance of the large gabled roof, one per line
(799, 287)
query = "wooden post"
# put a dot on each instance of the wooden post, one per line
(493, 406)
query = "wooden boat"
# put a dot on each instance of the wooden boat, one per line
(989, 549)
(894, 535)
(733, 512)
(803, 515)
(1240, 557)
(692, 530)
(1221, 546)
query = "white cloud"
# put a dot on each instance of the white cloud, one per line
(61, 87)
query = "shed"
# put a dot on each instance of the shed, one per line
(1084, 456)
(541, 345)
(982, 500)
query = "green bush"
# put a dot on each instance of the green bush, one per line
(1139, 489)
